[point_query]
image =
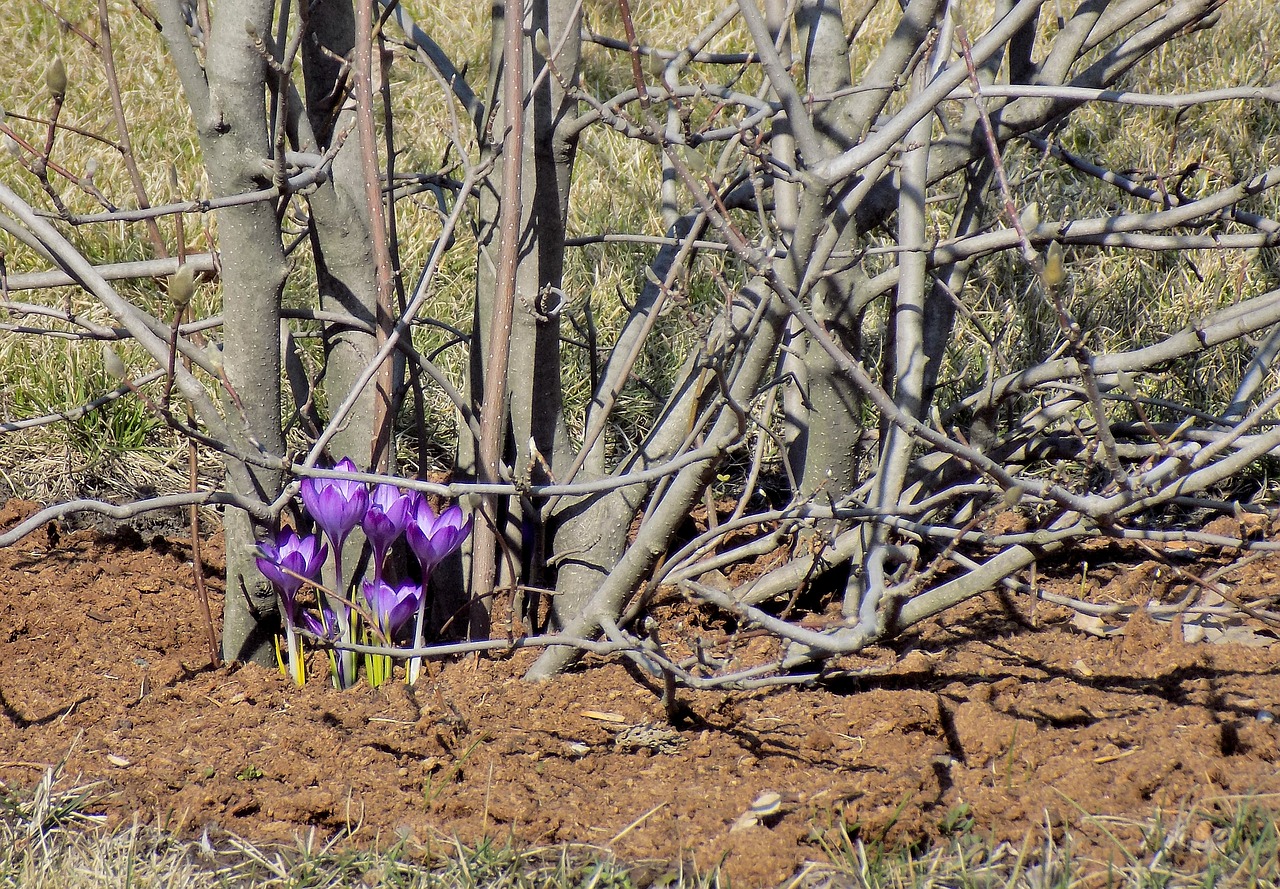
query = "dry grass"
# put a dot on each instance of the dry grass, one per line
(48, 839)
(1129, 298)
(1123, 297)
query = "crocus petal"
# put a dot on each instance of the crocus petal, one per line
(396, 504)
(289, 555)
(268, 561)
(380, 530)
(391, 606)
(433, 537)
(336, 504)
(326, 626)
(406, 606)
(445, 534)
(390, 510)
(380, 598)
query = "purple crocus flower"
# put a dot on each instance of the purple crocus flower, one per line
(336, 504)
(433, 538)
(391, 606)
(325, 625)
(388, 514)
(290, 553)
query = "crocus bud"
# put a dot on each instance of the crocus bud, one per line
(1055, 272)
(182, 286)
(112, 363)
(55, 78)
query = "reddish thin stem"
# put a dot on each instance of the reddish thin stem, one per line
(122, 127)
(493, 409)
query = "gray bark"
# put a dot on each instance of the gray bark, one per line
(907, 326)
(756, 329)
(533, 400)
(340, 229)
(227, 97)
(835, 425)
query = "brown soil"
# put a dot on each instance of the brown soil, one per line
(1005, 707)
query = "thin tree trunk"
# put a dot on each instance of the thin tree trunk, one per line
(533, 405)
(835, 424)
(340, 230)
(228, 98)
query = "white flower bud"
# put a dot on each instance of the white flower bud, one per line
(55, 78)
(182, 286)
(541, 43)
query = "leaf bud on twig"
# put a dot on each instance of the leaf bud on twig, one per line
(214, 353)
(182, 286)
(541, 43)
(1030, 217)
(1124, 380)
(1055, 272)
(55, 78)
(113, 364)
(694, 159)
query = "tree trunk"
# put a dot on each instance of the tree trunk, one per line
(227, 97)
(533, 409)
(341, 239)
(835, 424)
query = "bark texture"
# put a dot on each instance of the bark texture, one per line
(227, 96)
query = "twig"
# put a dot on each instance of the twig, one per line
(125, 143)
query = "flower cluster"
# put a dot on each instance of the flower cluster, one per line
(383, 608)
